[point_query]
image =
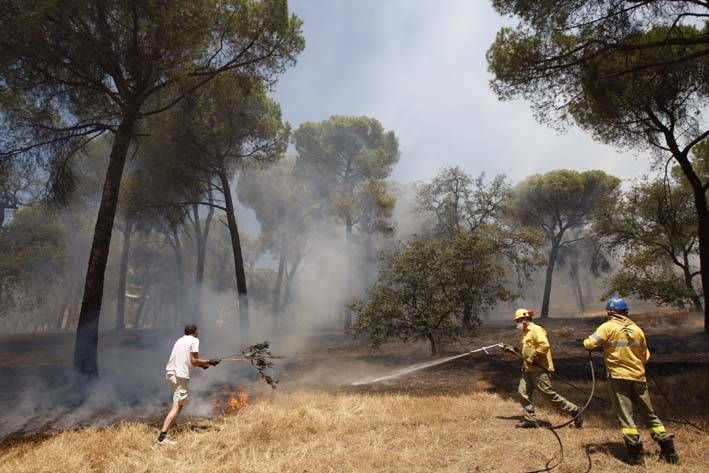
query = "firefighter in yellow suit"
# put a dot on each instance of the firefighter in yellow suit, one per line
(625, 354)
(537, 365)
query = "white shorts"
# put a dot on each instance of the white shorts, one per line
(179, 386)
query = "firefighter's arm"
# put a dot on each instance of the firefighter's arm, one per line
(595, 340)
(647, 349)
(541, 343)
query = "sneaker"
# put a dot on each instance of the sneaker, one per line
(166, 442)
(578, 420)
(527, 424)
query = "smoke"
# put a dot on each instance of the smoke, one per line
(40, 393)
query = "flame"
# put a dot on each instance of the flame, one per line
(237, 400)
(230, 400)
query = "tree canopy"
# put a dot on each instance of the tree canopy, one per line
(631, 73)
(425, 286)
(286, 209)
(32, 258)
(653, 229)
(342, 156)
(557, 202)
(544, 57)
(229, 125)
(346, 160)
(457, 202)
(84, 68)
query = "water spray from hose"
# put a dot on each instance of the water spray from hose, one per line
(421, 366)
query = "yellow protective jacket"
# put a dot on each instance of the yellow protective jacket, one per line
(535, 346)
(625, 351)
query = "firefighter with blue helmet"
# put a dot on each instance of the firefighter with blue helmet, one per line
(625, 354)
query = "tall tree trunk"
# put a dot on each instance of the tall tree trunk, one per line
(73, 305)
(576, 279)
(348, 311)
(199, 266)
(180, 315)
(467, 315)
(696, 301)
(553, 253)
(279, 283)
(239, 270)
(432, 342)
(201, 237)
(703, 227)
(86, 344)
(700, 205)
(290, 275)
(59, 322)
(139, 312)
(6, 205)
(159, 316)
(221, 271)
(122, 276)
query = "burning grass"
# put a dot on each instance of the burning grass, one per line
(231, 401)
(329, 432)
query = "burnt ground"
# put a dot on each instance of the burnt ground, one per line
(679, 363)
(38, 397)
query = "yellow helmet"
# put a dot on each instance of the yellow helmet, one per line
(522, 313)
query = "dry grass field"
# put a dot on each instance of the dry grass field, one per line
(458, 417)
(324, 432)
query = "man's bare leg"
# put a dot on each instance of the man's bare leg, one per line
(169, 422)
(171, 417)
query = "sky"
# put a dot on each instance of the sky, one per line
(419, 67)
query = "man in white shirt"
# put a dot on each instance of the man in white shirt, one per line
(185, 355)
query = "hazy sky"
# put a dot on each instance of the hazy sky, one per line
(419, 67)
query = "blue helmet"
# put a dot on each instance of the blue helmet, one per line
(616, 304)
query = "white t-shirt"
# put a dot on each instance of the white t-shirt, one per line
(179, 361)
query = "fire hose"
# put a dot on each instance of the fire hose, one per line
(548, 467)
(681, 421)
(591, 396)
(553, 428)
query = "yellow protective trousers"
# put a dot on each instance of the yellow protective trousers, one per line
(541, 381)
(627, 395)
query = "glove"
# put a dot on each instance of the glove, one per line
(508, 348)
(205, 367)
(214, 361)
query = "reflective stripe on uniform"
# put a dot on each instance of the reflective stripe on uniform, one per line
(660, 429)
(595, 337)
(630, 431)
(625, 343)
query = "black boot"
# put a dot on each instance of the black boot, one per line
(667, 451)
(636, 454)
(578, 419)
